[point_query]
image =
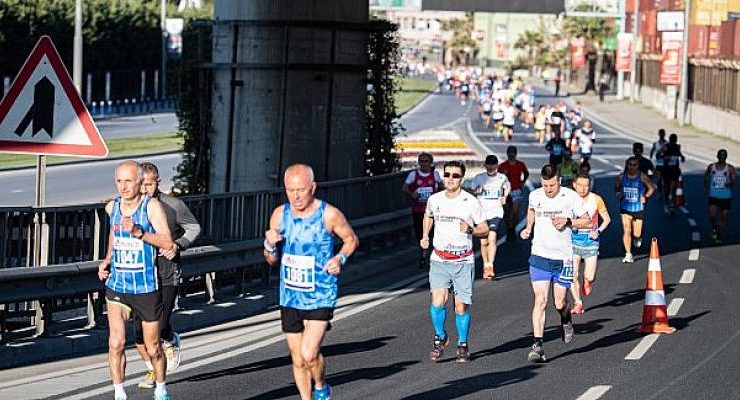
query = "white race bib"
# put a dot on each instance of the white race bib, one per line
(491, 192)
(127, 251)
(719, 182)
(424, 193)
(299, 273)
(631, 194)
(566, 274)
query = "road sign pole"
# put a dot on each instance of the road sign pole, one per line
(41, 238)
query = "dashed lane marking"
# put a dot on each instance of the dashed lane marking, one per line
(687, 276)
(594, 393)
(694, 255)
(642, 347)
(674, 306)
(607, 162)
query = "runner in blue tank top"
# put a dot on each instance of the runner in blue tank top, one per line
(632, 189)
(138, 225)
(719, 180)
(300, 239)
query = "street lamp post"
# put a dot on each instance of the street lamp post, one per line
(633, 70)
(164, 48)
(622, 27)
(684, 88)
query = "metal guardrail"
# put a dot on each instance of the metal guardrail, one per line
(53, 287)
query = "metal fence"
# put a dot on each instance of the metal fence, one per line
(79, 233)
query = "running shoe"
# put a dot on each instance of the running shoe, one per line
(163, 396)
(587, 287)
(488, 273)
(577, 308)
(536, 354)
(438, 347)
(173, 355)
(148, 381)
(628, 258)
(567, 331)
(325, 393)
(637, 242)
(463, 354)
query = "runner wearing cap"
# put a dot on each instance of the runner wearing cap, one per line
(492, 189)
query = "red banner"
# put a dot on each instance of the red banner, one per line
(670, 63)
(578, 52)
(624, 52)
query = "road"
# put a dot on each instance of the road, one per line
(137, 125)
(381, 334)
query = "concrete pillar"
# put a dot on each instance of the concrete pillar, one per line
(290, 89)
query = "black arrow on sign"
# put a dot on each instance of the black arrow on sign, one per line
(41, 111)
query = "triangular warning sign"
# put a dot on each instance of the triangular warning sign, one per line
(42, 113)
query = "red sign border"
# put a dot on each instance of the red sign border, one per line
(97, 148)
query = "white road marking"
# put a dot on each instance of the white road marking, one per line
(17, 191)
(642, 347)
(594, 393)
(225, 305)
(607, 162)
(694, 255)
(692, 222)
(190, 312)
(687, 276)
(675, 306)
(695, 237)
(684, 210)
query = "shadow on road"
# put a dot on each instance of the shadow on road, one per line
(461, 388)
(630, 297)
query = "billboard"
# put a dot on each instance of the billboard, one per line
(670, 62)
(510, 6)
(625, 44)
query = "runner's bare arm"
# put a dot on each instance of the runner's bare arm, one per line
(426, 228)
(618, 187)
(406, 189)
(648, 184)
(526, 174)
(103, 267)
(162, 238)
(527, 231)
(733, 176)
(481, 229)
(273, 237)
(582, 222)
(337, 224)
(706, 177)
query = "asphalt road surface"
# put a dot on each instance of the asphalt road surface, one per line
(381, 334)
(137, 125)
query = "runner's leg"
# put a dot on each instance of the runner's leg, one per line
(541, 290)
(575, 287)
(627, 233)
(301, 373)
(311, 340)
(117, 317)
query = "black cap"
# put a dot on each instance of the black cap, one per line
(491, 160)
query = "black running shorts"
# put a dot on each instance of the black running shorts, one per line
(292, 318)
(145, 306)
(722, 204)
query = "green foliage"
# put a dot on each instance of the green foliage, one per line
(381, 123)
(462, 36)
(533, 43)
(194, 110)
(595, 30)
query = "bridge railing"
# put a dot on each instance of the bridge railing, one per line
(233, 225)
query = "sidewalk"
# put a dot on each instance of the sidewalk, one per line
(642, 122)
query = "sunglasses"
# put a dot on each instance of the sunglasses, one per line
(453, 176)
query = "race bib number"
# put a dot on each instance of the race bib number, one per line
(555, 121)
(719, 182)
(128, 254)
(673, 160)
(557, 150)
(299, 273)
(423, 193)
(631, 194)
(491, 192)
(566, 274)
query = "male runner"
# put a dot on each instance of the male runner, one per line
(492, 189)
(553, 212)
(300, 238)
(184, 229)
(719, 179)
(586, 241)
(419, 185)
(138, 227)
(645, 165)
(632, 188)
(517, 173)
(556, 147)
(657, 152)
(456, 216)
(672, 157)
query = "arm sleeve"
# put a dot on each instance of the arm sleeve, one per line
(187, 221)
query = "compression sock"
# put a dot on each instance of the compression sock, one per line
(462, 321)
(438, 315)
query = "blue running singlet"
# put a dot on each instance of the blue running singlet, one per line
(133, 266)
(632, 191)
(718, 180)
(307, 246)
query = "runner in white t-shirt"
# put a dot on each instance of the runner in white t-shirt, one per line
(456, 216)
(553, 212)
(492, 189)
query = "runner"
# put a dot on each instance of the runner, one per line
(184, 229)
(586, 241)
(633, 188)
(138, 227)
(517, 173)
(586, 141)
(657, 152)
(492, 189)
(456, 216)
(540, 125)
(719, 179)
(419, 185)
(646, 166)
(672, 157)
(556, 147)
(300, 239)
(509, 120)
(553, 212)
(568, 169)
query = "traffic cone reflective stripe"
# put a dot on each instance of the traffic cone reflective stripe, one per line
(654, 312)
(679, 199)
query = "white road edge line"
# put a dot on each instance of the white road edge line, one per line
(594, 393)
(694, 255)
(642, 347)
(675, 306)
(687, 276)
(692, 222)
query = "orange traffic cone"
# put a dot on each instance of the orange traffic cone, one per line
(654, 312)
(679, 199)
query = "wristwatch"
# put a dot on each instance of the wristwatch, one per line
(141, 229)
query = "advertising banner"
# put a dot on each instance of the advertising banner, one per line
(670, 64)
(625, 45)
(578, 52)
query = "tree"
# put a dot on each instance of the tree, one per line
(462, 43)
(532, 42)
(594, 29)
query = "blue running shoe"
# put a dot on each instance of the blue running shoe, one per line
(324, 393)
(163, 396)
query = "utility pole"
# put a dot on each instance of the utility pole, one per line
(622, 27)
(633, 70)
(684, 88)
(77, 50)
(163, 22)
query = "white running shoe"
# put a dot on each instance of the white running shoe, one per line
(628, 258)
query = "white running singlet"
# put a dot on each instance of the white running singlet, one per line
(549, 242)
(450, 244)
(490, 190)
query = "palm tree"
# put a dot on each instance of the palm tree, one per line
(532, 42)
